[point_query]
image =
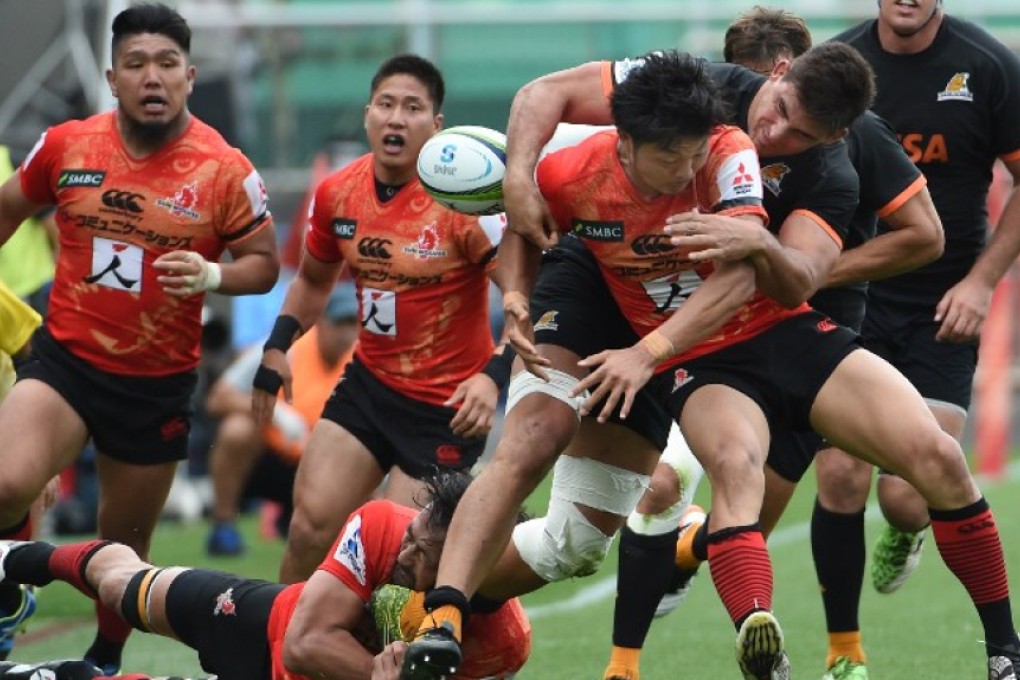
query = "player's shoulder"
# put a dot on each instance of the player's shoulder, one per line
(210, 142)
(728, 139)
(99, 124)
(385, 511)
(969, 39)
(858, 36)
(592, 156)
(339, 181)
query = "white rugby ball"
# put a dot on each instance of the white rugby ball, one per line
(462, 168)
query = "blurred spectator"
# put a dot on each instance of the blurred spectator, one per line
(238, 457)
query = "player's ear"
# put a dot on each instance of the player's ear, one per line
(437, 122)
(780, 68)
(112, 82)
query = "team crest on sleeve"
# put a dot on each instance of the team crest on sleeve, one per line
(957, 89)
(772, 177)
(116, 264)
(258, 197)
(350, 550)
(493, 226)
(739, 177)
(624, 67)
(225, 604)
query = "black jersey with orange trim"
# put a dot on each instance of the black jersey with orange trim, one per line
(422, 276)
(116, 214)
(888, 179)
(956, 108)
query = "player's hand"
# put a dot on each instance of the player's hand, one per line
(962, 311)
(187, 273)
(386, 664)
(290, 423)
(527, 212)
(714, 237)
(477, 397)
(616, 374)
(263, 402)
(520, 333)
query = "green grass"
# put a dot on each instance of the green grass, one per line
(928, 629)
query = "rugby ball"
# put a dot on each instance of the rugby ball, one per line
(462, 168)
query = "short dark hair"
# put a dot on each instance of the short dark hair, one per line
(151, 18)
(834, 83)
(668, 97)
(416, 67)
(442, 493)
(763, 35)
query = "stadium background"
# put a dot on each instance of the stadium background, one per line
(287, 81)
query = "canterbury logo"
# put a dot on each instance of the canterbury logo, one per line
(375, 248)
(123, 200)
(652, 244)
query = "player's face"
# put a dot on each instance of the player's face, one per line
(778, 124)
(906, 17)
(399, 119)
(151, 79)
(656, 171)
(418, 559)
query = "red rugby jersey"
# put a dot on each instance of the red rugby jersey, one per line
(116, 215)
(590, 195)
(363, 557)
(421, 272)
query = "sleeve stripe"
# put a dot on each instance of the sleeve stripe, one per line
(736, 203)
(833, 234)
(488, 257)
(247, 229)
(1011, 156)
(904, 196)
(607, 79)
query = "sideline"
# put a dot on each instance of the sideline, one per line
(605, 588)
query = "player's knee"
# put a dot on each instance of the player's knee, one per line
(553, 427)
(16, 497)
(734, 467)
(565, 543)
(663, 491)
(562, 545)
(309, 533)
(844, 482)
(236, 430)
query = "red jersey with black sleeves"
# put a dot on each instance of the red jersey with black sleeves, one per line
(422, 277)
(591, 196)
(956, 108)
(116, 215)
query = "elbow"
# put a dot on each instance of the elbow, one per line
(935, 246)
(271, 273)
(296, 651)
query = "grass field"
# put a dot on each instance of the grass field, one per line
(928, 629)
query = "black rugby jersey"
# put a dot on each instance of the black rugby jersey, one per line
(955, 107)
(888, 179)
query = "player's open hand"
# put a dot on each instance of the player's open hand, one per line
(520, 333)
(187, 273)
(477, 397)
(962, 311)
(386, 664)
(616, 375)
(714, 237)
(527, 212)
(273, 373)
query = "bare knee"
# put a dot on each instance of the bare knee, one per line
(237, 430)
(310, 534)
(844, 482)
(109, 571)
(938, 469)
(663, 492)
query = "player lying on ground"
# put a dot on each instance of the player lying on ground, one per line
(246, 629)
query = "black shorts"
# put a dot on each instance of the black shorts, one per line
(792, 452)
(845, 306)
(413, 435)
(904, 335)
(232, 645)
(135, 419)
(572, 308)
(781, 369)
